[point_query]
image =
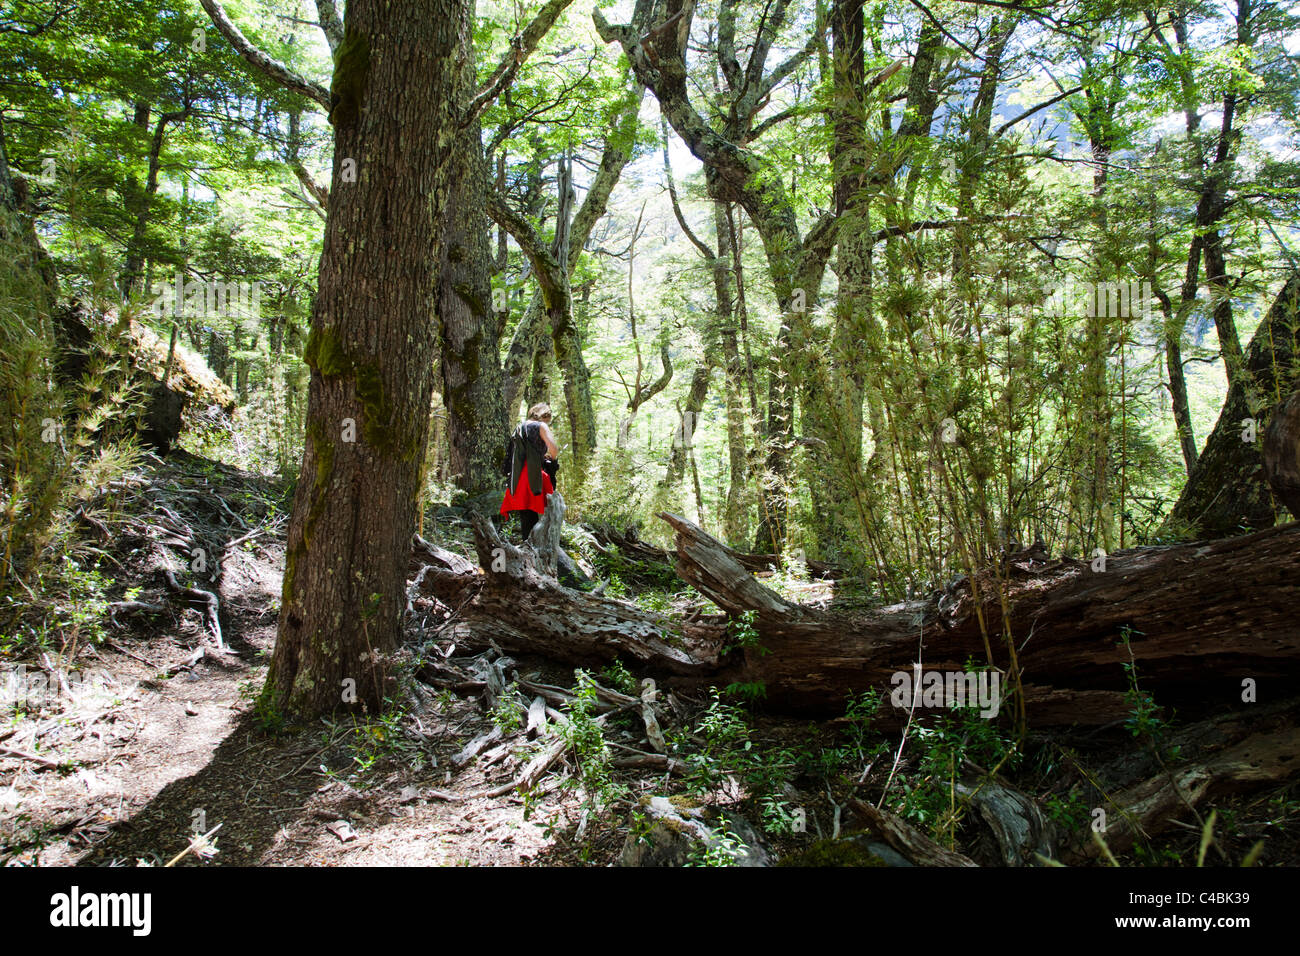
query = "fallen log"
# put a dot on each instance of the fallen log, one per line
(1150, 807)
(517, 607)
(906, 839)
(1199, 619)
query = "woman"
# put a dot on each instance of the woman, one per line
(532, 465)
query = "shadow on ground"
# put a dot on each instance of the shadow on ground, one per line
(255, 786)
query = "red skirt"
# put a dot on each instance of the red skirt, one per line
(523, 499)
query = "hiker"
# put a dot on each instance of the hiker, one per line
(531, 465)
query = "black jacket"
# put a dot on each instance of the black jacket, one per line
(525, 447)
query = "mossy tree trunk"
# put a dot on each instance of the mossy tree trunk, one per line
(735, 514)
(371, 352)
(471, 358)
(833, 399)
(1227, 491)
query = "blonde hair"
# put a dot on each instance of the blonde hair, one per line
(539, 412)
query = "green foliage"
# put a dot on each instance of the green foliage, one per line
(656, 601)
(751, 693)
(779, 818)
(1146, 720)
(618, 677)
(586, 741)
(365, 742)
(929, 796)
(508, 714)
(722, 851)
(1069, 811)
(726, 746)
(267, 714)
(744, 634)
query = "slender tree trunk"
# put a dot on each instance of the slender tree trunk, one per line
(734, 515)
(779, 435)
(372, 354)
(1178, 386)
(1216, 277)
(683, 441)
(135, 254)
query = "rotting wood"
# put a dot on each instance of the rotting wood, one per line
(1200, 617)
(906, 839)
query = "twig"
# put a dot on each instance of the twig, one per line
(23, 755)
(123, 650)
(903, 740)
(196, 844)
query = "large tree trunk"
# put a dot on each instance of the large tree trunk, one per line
(26, 259)
(471, 359)
(1281, 453)
(372, 356)
(1227, 491)
(1200, 618)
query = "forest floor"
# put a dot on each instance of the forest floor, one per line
(160, 743)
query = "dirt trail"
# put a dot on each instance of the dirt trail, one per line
(144, 765)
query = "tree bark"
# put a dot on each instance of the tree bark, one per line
(471, 355)
(371, 351)
(1281, 452)
(1228, 491)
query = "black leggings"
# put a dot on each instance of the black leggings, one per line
(527, 519)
